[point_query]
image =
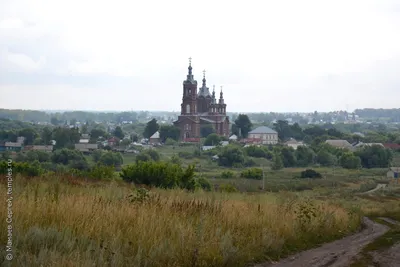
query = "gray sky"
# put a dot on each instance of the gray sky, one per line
(269, 55)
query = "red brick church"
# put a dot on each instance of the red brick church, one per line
(200, 108)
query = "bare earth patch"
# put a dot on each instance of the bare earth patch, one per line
(342, 253)
(388, 258)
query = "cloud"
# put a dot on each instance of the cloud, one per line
(21, 62)
(269, 55)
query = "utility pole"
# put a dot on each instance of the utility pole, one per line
(263, 178)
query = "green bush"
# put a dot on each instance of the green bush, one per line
(148, 155)
(28, 169)
(227, 175)
(228, 188)
(204, 184)
(310, 173)
(101, 172)
(160, 174)
(255, 151)
(253, 173)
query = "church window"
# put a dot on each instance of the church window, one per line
(187, 108)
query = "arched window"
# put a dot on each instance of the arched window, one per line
(188, 108)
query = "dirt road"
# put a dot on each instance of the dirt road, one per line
(341, 253)
(378, 186)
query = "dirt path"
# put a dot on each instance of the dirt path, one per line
(341, 253)
(378, 186)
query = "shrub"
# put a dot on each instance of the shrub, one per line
(255, 151)
(249, 162)
(228, 188)
(310, 173)
(176, 160)
(253, 173)
(148, 155)
(101, 172)
(160, 174)
(227, 175)
(28, 169)
(204, 184)
(231, 156)
(111, 159)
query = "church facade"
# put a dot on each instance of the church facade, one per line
(200, 108)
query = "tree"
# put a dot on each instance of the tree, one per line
(111, 159)
(84, 128)
(148, 155)
(349, 161)
(288, 157)
(283, 129)
(305, 156)
(68, 156)
(96, 155)
(169, 131)
(277, 163)
(40, 156)
(325, 158)
(118, 132)
(96, 133)
(231, 156)
(55, 121)
(125, 142)
(297, 132)
(151, 127)
(29, 134)
(206, 130)
(134, 137)
(72, 122)
(66, 137)
(375, 156)
(46, 135)
(212, 140)
(244, 124)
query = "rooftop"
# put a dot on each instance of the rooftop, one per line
(263, 130)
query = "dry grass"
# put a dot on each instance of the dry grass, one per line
(58, 223)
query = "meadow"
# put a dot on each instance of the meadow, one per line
(65, 221)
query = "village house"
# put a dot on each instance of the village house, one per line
(86, 147)
(393, 172)
(155, 138)
(48, 148)
(293, 143)
(262, 135)
(113, 141)
(343, 144)
(233, 137)
(361, 144)
(392, 146)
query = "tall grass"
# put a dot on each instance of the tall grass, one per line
(59, 223)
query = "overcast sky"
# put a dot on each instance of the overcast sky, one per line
(133, 55)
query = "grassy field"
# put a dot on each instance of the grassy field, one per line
(66, 221)
(62, 221)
